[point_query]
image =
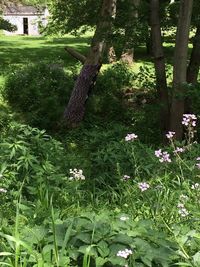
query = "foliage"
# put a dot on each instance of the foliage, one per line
(155, 205)
(30, 155)
(6, 25)
(95, 238)
(41, 92)
(110, 87)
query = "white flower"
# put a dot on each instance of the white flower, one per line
(195, 186)
(76, 175)
(3, 190)
(183, 212)
(124, 218)
(131, 137)
(124, 253)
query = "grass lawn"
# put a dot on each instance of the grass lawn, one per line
(19, 50)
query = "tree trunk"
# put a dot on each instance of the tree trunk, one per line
(193, 67)
(110, 54)
(149, 44)
(127, 55)
(180, 67)
(159, 63)
(75, 110)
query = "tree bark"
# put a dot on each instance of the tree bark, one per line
(194, 64)
(180, 67)
(75, 110)
(159, 63)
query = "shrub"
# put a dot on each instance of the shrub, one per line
(107, 96)
(39, 92)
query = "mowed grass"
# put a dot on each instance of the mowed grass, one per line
(20, 50)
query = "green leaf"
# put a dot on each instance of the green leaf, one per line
(6, 254)
(84, 237)
(117, 261)
(88, 250)
(100, 261)
(196, 259)
(103, 249)
(122, 238)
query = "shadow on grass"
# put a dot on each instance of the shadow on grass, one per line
(21, 50)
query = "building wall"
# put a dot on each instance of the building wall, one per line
(32, 23)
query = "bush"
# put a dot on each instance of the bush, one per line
(39, 92)
(107, 97)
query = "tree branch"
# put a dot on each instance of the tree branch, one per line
(75, 54)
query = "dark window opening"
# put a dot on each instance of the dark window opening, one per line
(25, 25)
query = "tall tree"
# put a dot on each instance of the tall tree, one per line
(180, 66)
(75, 110)
(128, 49)
(159, 62)
(194, 64)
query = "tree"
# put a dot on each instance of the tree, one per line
(6, 25)
(180, 66)
(194, 64)
(159, 63)
(132, 17)
(76, 107)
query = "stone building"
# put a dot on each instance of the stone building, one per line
(26, 18)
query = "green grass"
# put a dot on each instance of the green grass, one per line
(17, 50)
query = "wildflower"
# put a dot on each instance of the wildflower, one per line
(182, 210)
(3, 190)
(198, 158)
(183, 197)
(189, 120)
(163, 156)
(143, 186)
(124, 218)
(198, 165)
(124, 253)
(126, 177)
(76, 174)
(179, 150)
(158, 153)
(180, 205)
(170, 135)
(131, 137)
(195, 186)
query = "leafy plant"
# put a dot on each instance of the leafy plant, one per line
(39, 92)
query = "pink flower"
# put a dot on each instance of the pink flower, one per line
(170, 135)
(163, 156)
(131, 137)
(126, 177)
(158, 153)
(189, 119)
(143, 186)
(179, 150)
